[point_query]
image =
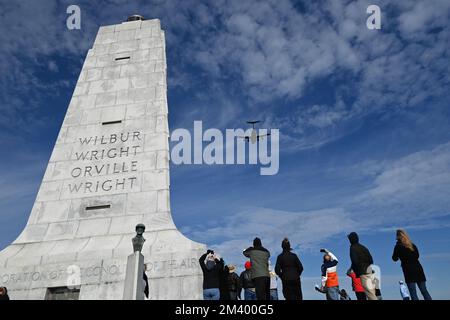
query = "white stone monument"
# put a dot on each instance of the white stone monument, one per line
(109, 170)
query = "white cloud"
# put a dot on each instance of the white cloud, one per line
(410, 189)
(52, 66)
(423, 16)
(33, 33)
(437, 256)
(405, 193)
(274, 52)
(266, 52)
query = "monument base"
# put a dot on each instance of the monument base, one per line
(96, 267)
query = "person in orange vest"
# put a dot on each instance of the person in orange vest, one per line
(330, 280)
(357, 285)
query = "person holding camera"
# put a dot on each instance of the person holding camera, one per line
(212, 267)
(330, 280)
(259, 258)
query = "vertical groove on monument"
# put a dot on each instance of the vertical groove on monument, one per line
(109, 171)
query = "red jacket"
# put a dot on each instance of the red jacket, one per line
(356, 282)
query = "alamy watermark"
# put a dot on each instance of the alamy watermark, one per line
(373, 22)
(73, 21)
(235, 147)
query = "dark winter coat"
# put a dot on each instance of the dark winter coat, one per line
(412, 269)
(223, 288)
(259, 257)
(234, 284)
(359, 255)
(288, 266)
(246, 280)
(211, 277)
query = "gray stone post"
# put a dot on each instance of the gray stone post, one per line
(134, 282)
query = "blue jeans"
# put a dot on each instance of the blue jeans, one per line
(249, 295)
(333, 293)
(211, 294)
(273, 294)
(422, 287)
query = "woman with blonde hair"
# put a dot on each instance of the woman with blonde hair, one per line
(407, 252)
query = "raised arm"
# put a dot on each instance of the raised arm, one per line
(202, 261)
(247, 252)
(220, 264)
(328, 252)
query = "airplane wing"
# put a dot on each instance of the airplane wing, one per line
(247, 138)
(260, 136)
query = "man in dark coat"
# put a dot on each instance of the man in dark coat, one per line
(259, 258)
(361, 265)
(212, 268)
(289, 268)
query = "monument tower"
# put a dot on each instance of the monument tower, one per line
(108, 172)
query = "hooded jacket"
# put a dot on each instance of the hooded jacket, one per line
(359, 255)
(259, 257)
(288, 266)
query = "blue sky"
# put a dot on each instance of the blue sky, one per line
(363, 116)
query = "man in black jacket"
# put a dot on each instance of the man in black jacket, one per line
(361, 265)
(212, 268)
(289, 268)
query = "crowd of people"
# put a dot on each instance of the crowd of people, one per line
(258, 281)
